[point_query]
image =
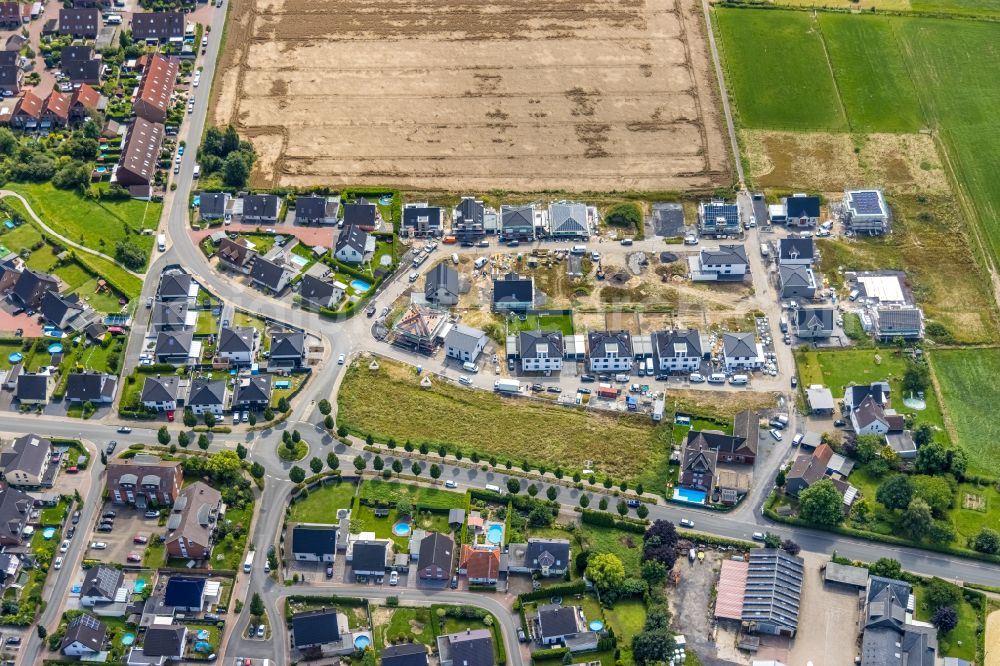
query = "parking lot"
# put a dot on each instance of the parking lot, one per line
(828, 618)
(128, 523)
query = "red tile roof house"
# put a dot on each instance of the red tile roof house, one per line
(152, 101)
(144, 481)
(480, 565)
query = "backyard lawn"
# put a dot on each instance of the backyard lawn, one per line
(541, 322)
(231, 550)
(207, 323)
(363, 520)
(961, 641)
(429, 498)
(969, 389)
(321, 505)
(621, 446)
(405, 626)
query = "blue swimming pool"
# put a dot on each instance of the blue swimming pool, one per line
(360, 286)
(128, 639)
(361, 642)
(140, 585)
(494, 534)
(402, 528)
(596, 625)
(689, 496)
(48, 532)
(15, 357)
(299, 261)
(101, 169)
(55, 348)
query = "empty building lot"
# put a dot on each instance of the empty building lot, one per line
(572, 95)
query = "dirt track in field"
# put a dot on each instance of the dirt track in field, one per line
(456, 95)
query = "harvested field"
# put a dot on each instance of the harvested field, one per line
(993, 639)
(588, 95)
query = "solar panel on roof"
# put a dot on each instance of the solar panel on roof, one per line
(866, 202)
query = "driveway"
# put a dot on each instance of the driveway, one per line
(828, 620)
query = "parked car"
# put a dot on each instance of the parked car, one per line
(839, 423)
(588, 379)
(152, 514)
(454, 582)
(776, 434)
(140, 539)
(394, 578)
(111, 447)
(695, 378)
(64, 546)
(584, 391)
(105, 527)
(76, 517)
(134, 556)
(57, 564)
(633, 503)
(245, 417)
(71, 531)
(450, 484)
(260, 631)
(109, 514)
(795, 381)
(329, 571)
(759, 536)
(687, 522)
(98, 545)
(340, 359)
(554, 389)
(520, 636)
(170, 415)
(124, 430)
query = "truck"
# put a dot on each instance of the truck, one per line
(783, 325)
(631, 403)
(507, 386)
(248, 563)
(607, 391)
(161, 242)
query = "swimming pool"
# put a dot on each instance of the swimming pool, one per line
(362, 641)
(101, 169)
(299, 261)
(385, 199)
(360, 285)
(15, 357)
(494, 534)
(689, 496)
(128, 639)
(55, 348)
(596, 625)
(402, 528)
(140, 585)
(48, 532)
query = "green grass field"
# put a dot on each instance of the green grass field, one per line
(553, 322)
(390, 493)
(961, 641)
(406, 625)
(321, 505)
(969, 389)
(621, 446)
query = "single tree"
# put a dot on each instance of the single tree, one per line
(917, 520)
(607, 573)
(296, 436)
(622, 507)
(584, 501)
(184, 439)
(332, 461)
(642, 511)
(532, 489)
(359, 463)
(772, 540)
(896, 492)
(415, 468)
(945, 619)
(257, 470)
(190, 420)
(163, 435)
(256, 605)
(316, 465)
(987, 541)
(603, 504)
(203, 442)
(324, 407)
(209, 419)
(660, 543)
(513, 486)
(435, 471)
(242, 451)
(821, 503)
(886, 567)
(252, 418)
(328, 422)
(397, 466)
(42, 632)
(297, 474)
(791, 547)
(552, 493)
(268, 414)
(283, 405)
(378, 463)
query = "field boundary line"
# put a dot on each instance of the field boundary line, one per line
(724, 94)
(833, 73)
(949, 423)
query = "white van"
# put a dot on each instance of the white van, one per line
(853, 296)
(454, 259)
(480, 262)
(470, 366)
(765, 251)
(739, 380)
(413, 277)
(492, 488)
(716, 378)
(621, 378)
(464, 379)
(579, 249)
(197, 170)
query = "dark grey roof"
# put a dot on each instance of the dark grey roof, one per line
(605, 344)
(316, 540)
(436, 550)
(901, 320)
(553, 553)
(213, 203)
(725, 254)
(796, 248)
(174, 285)
(157, 25)
(796, 276)
(261, 205)
(719, 441)
(32, 387)
(774, 588)
(314, 628)
(206, 392)
(102, 582)
(288, 344)
(814, 319)
(868, 412)
(163, 641)
(739, 344)
(512, 288)
(555, 620)
(27, 453)
(314, 289)
(360, 214)
(470, 212)
(472, 647)
(84, 22)
(173, 343)
(310, 207)
(85, 71)
(799, 206)
(9, 69)
(237, 339)
(369, 556)
(256, 388)
(236, 253)
(517, 216)
(568, 218)
(184, 592)
(92, 386)
(353, 237)
(267, 272)
(170, 313)
(58, 309)
(463, 338)
(86, 630)
(404, 654)
(531, 344)
(15, 507)
(441, 276)
(422, 217)
(677, 343)
(159, 389)
(888, 640)
(32, 285)
(855, 395)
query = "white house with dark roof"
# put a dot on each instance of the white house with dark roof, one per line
(610, 351)
(441, 285)
(100, 586)
(27, 460)
(546, 557)
(677, 351)
(318, 292)
(814, 323)
(33, 389)
(725, 263)
(568, 219)
(314, 543)
(97, 388)
(361, 214)
(176, 286)
(421, 220)
(317, 209)
(288, 349)
(517, 223)
(160, 393)
(540, 351)
(252, 392)
(238, 344)
(796, 282)
(741, 351)
(207, 396)
(214, 206)
(353, 245)
(802, 210)
(270, 275)
(866, 212)
(464, 343)
(176, 347)
(513, 292)
(84, 637)
(794, 251)
(261, 208)
(869, 418)
(173, 315)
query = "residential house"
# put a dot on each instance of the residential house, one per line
(80, 23)
(172, 316)
(869, 418)
(889, 635)
(314, 543)
(30, 288)
(814, 323)
(420, 327)
(741, 351)
(568, 220)
(866, 212)
(540, 351)
(472, 647)
(10, 15)
(100, 586)
(33, 389)
(153, 99)
(157, 26)
(610, 351)
(252, 393)
(10, 566)
(237, 344)
(15, 510)
(144, 481)
(317, 209)
(564, 625)
(10, 70)
(27, 460)
(718, 218)
(773, 591)
(261, 208)
(176, 347)
(207, 396)
(441, 285)
(141, 152)
(677, 351)
(160, 393)
(730, 448)
(85, 636)
(422, 221)
(808, 469)
(174, 286)
(517, 223)
(513, 293)
(214, 205)
(162, 643)
(464, 343)
(319, 292)
(27, 114)
(236, 254)
(435, 560)
(854, 395)
(796, 282)
(79, 64)
(370, 557)
(905, 322)
(97, 388)
(353, 245)
(726, 263)
(794, 251)
(404, 654)
(361, 214)
(545, 557)
(312, 630)
(480, 565)
(802, 211)
(468, 220)
(698, 469)
(85, 102)
(288, 350)
(270, 275)
(185, 594)
(191, 527)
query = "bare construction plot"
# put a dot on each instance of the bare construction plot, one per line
(458, 95)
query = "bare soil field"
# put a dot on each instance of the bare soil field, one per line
(564, 95)
(993, 639)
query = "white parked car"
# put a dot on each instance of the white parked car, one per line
(341, 359)
(64, 546)
(196, 80)
(687, 522)
(695, 378)
(776, 434)
(57, 564)
(450, 484)
(99, 545)
(394, 578)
